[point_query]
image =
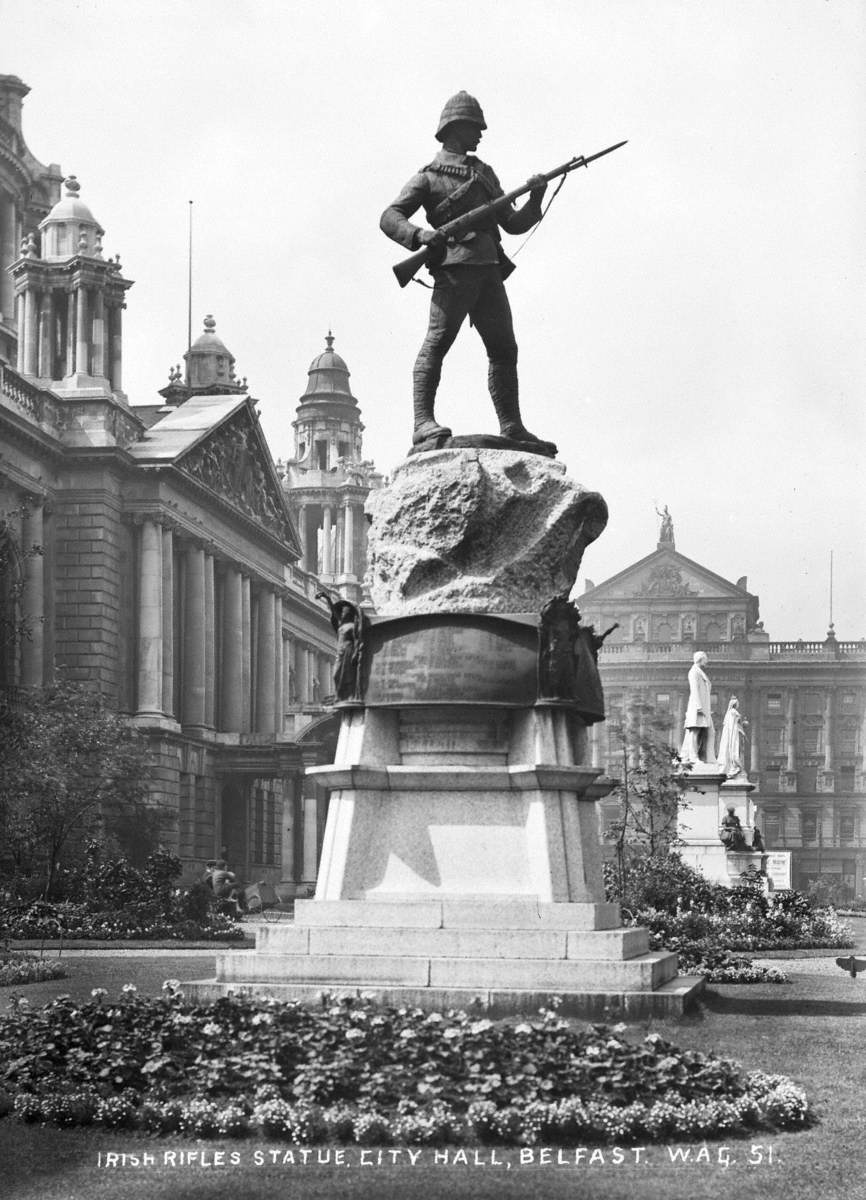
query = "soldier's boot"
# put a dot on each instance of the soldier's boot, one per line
(502, 383)
(426, 380)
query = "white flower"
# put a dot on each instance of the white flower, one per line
(524, 1028)
(211, 1029)
(354, 1034)
(480, 1026)
(129, 989)
(619, 1028)
(407, 1033)
(171, 985)
(261, 1018)
(451, 1033)
(97, 993)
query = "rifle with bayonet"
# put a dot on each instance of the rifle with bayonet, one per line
(409, 267)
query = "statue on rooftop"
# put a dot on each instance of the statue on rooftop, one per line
(666, 532)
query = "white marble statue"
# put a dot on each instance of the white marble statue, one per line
(732, 741)
(700, 736)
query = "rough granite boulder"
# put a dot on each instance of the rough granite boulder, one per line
(478, 530)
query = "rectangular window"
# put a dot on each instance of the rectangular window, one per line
(322, 456)
(845, 776)
(810, 827)
(848, 702)
(848, 740)
(810, 739)
(771, 827)
(813, 704)
(663, 700)
(846, 827)
(774, 740)
(774, 702)
(343, 449)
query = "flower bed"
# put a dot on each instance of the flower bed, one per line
(706, 923)
(16, 968)
(352, 1071)
(73, 921)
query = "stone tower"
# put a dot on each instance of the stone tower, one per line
(28, 189)
(69, 303)
(328, 480)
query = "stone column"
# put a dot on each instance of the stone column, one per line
(349, 540)
(311, 830)
(246, 653)
(8, 254)
(150, 646)
(279, 705)
(265, 682)
(69, 348)
(756, 731)
(232, 705)
(20, 311)
(829, 756)
(82, 341)
(340, 543)
(31, 333)
(327, 556)
(302, 534)
(300, 673)
(99, 334)
(194, 640)
(789, 733)
(33, 597)
(116, 347)
(168, 622)
(46, 337)
(209, 644)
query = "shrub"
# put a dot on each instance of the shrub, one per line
(17, 968)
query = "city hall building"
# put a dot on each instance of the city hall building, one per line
(171, 571)
(805, 701)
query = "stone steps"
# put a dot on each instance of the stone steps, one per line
(669, 999)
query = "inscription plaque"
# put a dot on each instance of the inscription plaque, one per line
(447, 658)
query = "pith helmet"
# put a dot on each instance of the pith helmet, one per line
(461, 107)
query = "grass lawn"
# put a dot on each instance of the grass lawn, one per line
(812, 1029)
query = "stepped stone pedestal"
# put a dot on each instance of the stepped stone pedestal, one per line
(461, 863)
(707, 794)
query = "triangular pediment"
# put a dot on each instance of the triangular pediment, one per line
(664, 575)
(233, 460)
(217, 441)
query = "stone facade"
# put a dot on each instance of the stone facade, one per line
(805, 701)
(149, 551)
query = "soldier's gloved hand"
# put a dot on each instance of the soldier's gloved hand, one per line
(539, 186)
(436, 243)
(434, 238)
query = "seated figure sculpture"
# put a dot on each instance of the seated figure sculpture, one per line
(732, 836)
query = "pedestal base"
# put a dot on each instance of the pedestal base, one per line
(498, 956)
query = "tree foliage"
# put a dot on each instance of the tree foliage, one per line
(70, 768)
(649, 793)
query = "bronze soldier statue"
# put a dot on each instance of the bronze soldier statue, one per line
(467, 271)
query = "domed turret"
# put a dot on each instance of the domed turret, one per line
(328, 376)
(208, 363)
(70, 229)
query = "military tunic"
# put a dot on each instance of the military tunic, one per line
(468, 280)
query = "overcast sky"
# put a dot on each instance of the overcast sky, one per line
(690, 315)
